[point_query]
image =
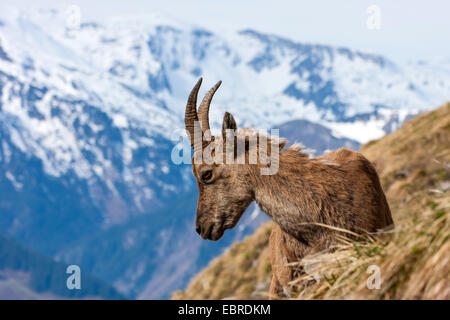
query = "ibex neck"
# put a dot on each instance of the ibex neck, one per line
(289, 197)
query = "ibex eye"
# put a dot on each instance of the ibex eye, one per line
(207, 175)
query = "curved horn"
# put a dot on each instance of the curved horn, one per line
(190, 116)
(203, 110)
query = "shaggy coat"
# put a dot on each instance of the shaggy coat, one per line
(304, 197)
(340, 189)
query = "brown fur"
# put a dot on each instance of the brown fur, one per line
(339, 189)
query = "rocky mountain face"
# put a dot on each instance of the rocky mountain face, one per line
(90, 116)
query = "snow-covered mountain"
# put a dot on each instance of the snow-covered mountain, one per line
(89, 117)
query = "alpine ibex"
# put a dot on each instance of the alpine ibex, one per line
(340, 189)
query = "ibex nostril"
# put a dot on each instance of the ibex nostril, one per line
(198, 229)
(208, 232)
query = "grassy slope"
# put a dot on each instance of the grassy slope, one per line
(414, 259)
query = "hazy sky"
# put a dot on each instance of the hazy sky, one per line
(409, 29)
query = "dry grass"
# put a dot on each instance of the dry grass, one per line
(413, 259)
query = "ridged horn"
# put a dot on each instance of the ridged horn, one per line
(203, 110)
(190, 116)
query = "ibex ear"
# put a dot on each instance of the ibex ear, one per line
(228, 123)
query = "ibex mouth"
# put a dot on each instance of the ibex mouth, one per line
(208, 232)
(212, 232)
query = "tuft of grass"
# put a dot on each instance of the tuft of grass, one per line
(422, 173)
(439, 213)
(432, 204)
(413, 261)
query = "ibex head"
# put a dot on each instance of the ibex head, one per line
(224, 189)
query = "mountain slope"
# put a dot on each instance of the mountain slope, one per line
(414, 167)
(319, 138)
(28, 275)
